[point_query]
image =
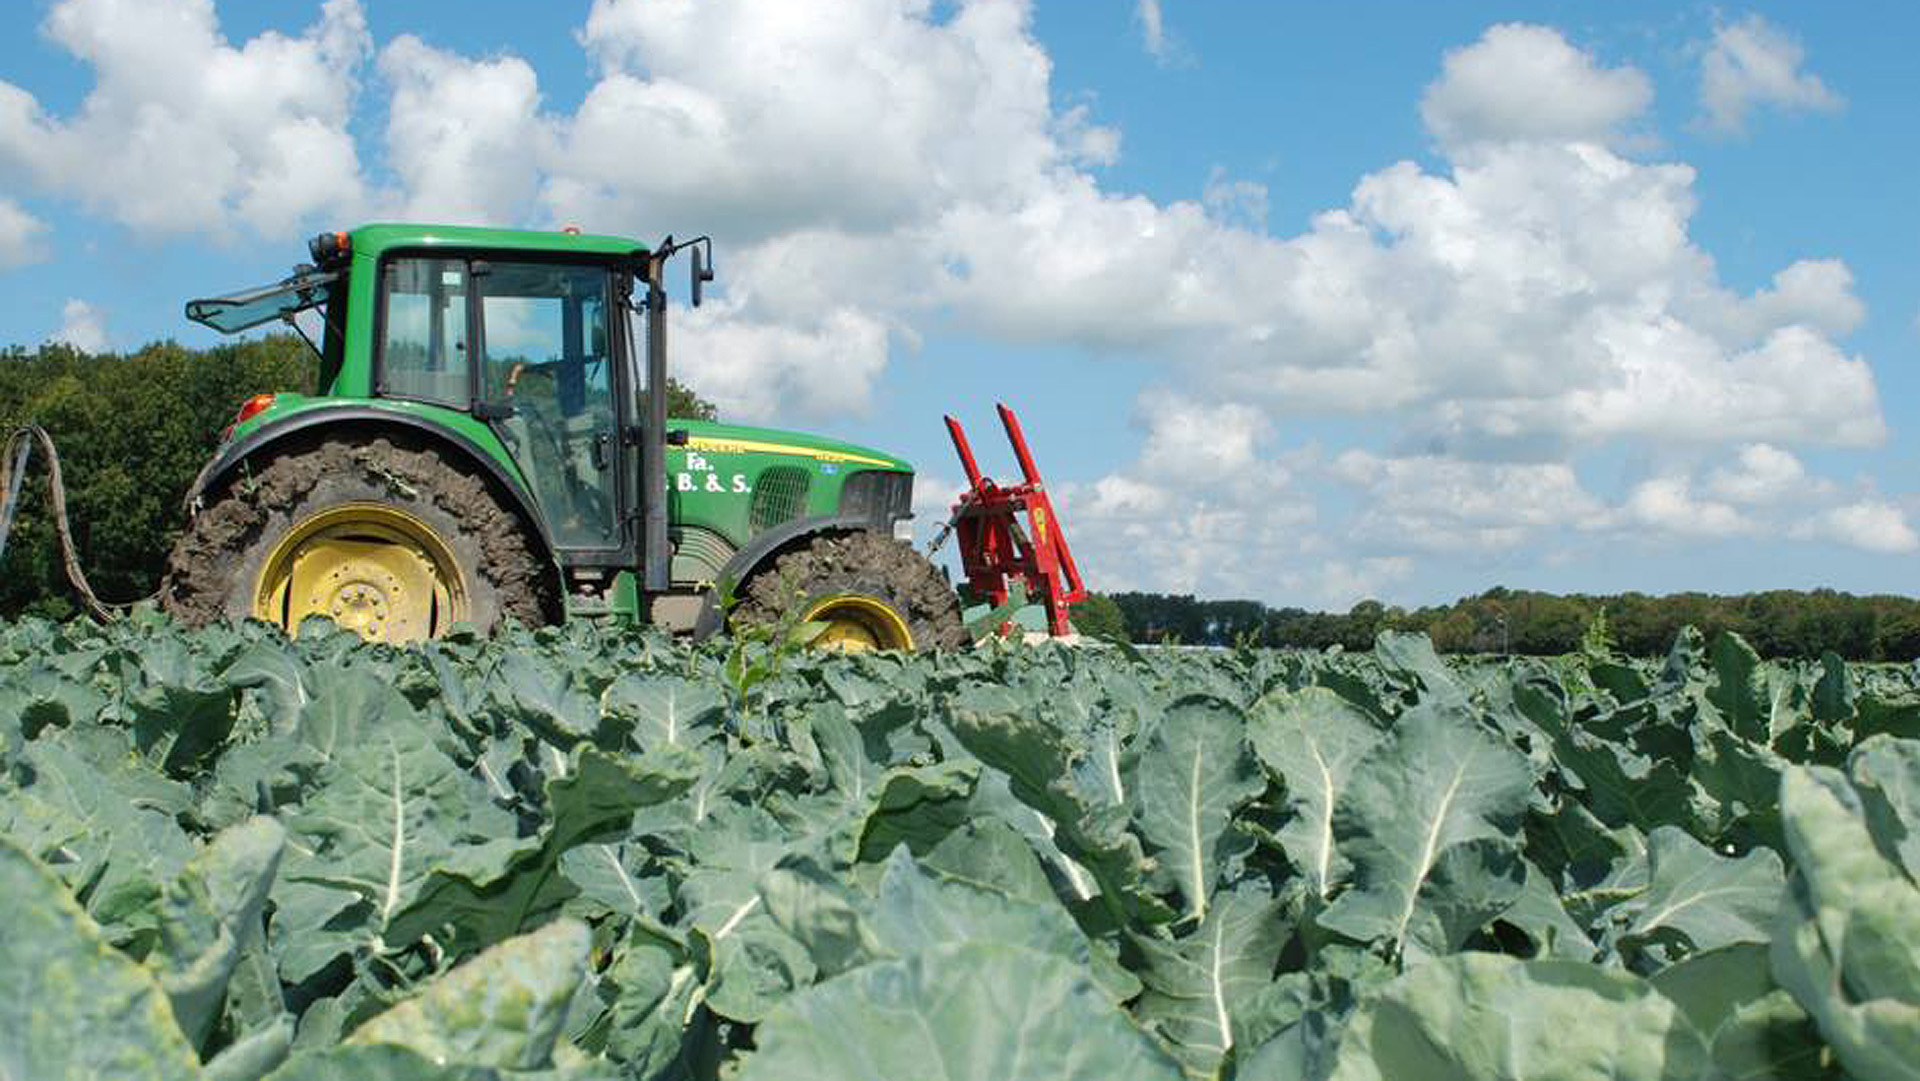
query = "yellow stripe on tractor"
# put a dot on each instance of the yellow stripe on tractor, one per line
(744, 446)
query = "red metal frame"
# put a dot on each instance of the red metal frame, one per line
(993, 546)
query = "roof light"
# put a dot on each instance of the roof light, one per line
(329, 249)
(570, 230)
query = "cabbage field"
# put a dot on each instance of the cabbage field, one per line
(567, 854)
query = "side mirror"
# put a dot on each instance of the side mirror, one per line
(701, 273)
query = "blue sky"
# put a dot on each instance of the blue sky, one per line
(1305, 304)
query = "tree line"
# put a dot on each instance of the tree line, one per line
(1778, 623)
(133, 430)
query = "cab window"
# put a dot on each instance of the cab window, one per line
(545, 356)
(423, 304)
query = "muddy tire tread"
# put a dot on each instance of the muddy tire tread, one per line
(228, 538)
(861, 562)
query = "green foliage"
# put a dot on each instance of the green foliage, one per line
(75, 1007)
(1523, 1020)
(1778, 623)
(956, 1009)
(1429, 821)
(758, 652)
(684, 404)
(1099, 617)
(587, 851)
(1849, 945)
(1598, 640)
(505, 1008)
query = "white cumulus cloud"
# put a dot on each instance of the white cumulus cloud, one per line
(1541, 293)
(465, 137)
(1153, 31)
(1189, 438)
(838, 153)
(1753, 63)
(1817, 293)
(1130, 534)
(20, 235)
(1762, 474)
(860, 116)
(82, 326)
(1521, 82)
(1872, 525)
(1436, 504)
(1668, 505)
(1200, 512)
(822, 368)
(1763, 492)
(184, 131)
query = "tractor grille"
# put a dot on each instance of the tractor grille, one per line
(880, 496)
(779, 495)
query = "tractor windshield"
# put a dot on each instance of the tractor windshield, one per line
(248, 309)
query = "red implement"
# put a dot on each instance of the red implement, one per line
(994, 546)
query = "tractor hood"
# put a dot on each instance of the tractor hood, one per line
(706, 436)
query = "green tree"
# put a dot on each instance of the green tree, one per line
(1363, 622)
(1157, 617)
(684, 404)
(1899, 638)
(1547, 625)
(1232, 622)
(1453, 631)
(1099, 617)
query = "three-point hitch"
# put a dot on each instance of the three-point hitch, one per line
(995, 547)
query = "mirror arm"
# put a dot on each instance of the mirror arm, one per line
(700, 272)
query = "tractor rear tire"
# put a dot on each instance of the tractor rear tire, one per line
(390, 540)
(871, 591)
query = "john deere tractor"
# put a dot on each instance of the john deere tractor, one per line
(490, 439)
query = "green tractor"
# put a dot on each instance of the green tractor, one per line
(490, 439)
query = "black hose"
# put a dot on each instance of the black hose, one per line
(13, 467)
(11, 476)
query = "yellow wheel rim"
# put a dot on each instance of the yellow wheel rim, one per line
(374, 570)
(858, 624)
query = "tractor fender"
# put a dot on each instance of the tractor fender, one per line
(763, 549)
(363, 419)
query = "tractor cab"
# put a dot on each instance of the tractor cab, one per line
(528, 346)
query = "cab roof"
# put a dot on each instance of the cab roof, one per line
(373, 239)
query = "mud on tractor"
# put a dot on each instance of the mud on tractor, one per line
(490, 439)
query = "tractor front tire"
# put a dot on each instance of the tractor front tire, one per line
(387, 539)
(870, 591)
